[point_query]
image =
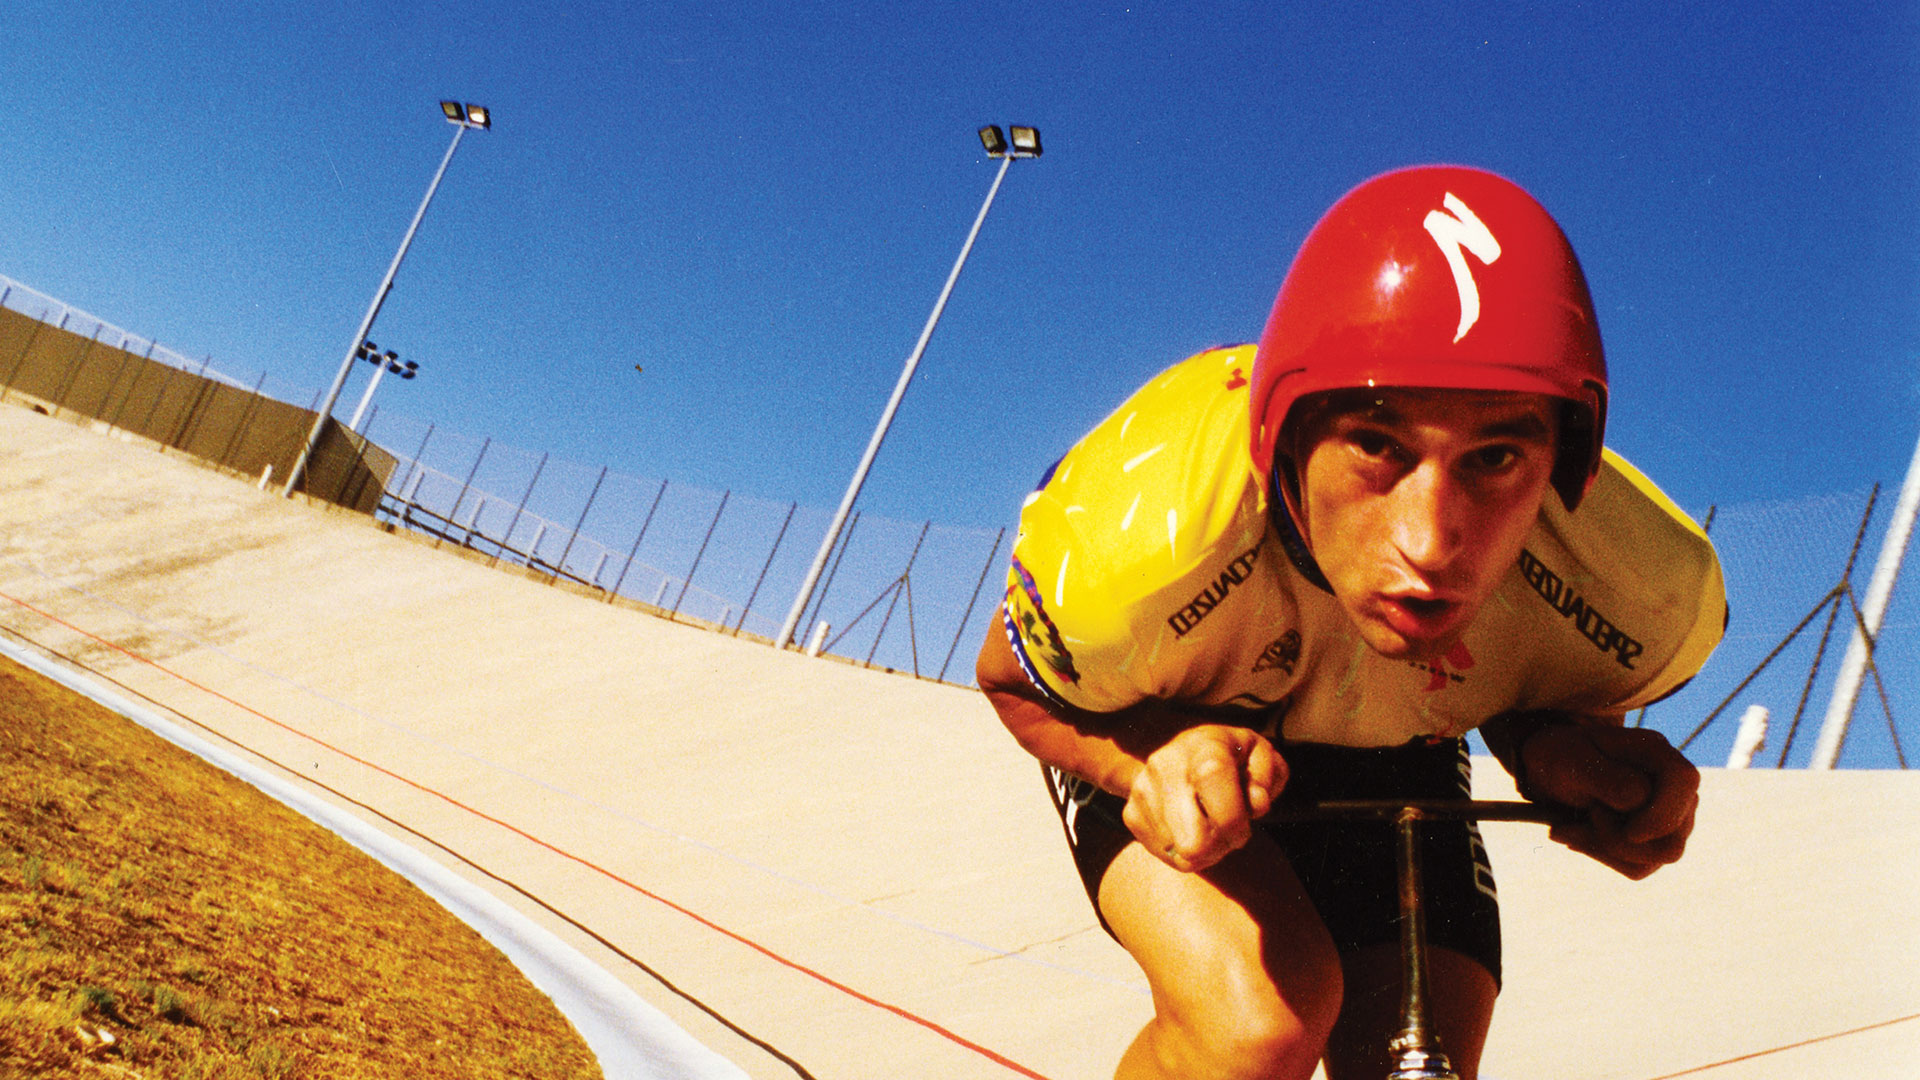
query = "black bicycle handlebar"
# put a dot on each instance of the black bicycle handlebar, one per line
(1429, 809)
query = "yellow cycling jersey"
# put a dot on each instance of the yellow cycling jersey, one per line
(1146, 568)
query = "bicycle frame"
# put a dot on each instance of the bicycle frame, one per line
(1415, 1050)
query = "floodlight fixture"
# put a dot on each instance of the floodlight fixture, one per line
(383, 362)
(993, 140)
(468, 115)
(1026, 141)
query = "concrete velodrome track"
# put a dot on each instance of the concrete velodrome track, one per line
(860, 870)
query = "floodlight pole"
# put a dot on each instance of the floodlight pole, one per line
(1846, 686)
(380, 363)
(785, 636)
(366, 324)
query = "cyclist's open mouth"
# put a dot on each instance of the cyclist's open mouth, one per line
(1419, 618)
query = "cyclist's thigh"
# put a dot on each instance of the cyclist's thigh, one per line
(1234, 952)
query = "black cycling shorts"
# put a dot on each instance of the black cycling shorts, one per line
(1347, 868)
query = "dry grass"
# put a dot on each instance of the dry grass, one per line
(160, 918)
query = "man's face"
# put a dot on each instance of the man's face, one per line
(1415, 503)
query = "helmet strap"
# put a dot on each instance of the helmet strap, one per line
(1281, 492)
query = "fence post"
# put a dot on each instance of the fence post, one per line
(179, 440)
(153, 411)
(635, 550)
(246, 420)
(209, 390)
(1846, 580)
(522, 508)
(698, 555)
(409, 486)
(100, 408)
(131, 387)
(906, 585)
(73, 373)
(471, 473)
(763, 570)
(561, 566)
(32, 336)
(984, 571)
(359, 461)
(846, 541)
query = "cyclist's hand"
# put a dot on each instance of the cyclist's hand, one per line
(1638, 792)
(1198, 795)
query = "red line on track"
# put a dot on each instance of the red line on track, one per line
(896, 1010)
(1789, 1046)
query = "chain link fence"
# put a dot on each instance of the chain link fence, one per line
(1796, 570)
(904, 596)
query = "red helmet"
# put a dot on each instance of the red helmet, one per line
(1437, 276)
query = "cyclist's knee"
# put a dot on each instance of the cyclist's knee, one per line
(1275, 1050)
(1255, 1031)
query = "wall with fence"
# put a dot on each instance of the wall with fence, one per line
(909, 596)
(66, 362)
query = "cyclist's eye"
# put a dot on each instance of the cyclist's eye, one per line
(1371, 443)
(1493, 458)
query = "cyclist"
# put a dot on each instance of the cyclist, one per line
(1305, 571)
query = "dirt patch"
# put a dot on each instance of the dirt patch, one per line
(159, 917)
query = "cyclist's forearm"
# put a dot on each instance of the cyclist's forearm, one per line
(1056, 741)
(1108, 749)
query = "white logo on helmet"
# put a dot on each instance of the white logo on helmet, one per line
(1462, 229)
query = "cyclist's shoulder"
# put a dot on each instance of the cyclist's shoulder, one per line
(1145, 524)
(1211, 383)
(1162, 481)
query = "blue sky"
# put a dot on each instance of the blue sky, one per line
(759, 202)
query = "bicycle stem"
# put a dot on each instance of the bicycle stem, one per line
(1415, 1051)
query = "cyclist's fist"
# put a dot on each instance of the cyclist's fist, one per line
(1638, 792)
(1195, 799)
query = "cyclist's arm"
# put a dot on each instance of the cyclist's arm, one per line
(1193, 788)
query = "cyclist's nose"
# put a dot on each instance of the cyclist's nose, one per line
(1428, 520)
